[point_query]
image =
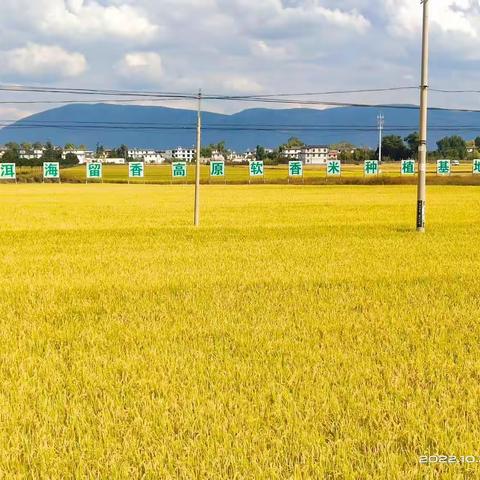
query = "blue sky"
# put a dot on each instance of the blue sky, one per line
(238, 46)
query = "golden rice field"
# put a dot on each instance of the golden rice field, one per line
(300, 333)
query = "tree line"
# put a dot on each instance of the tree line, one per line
(455, 147)
(394, 148)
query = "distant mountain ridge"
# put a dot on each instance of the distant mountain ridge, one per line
(139, 126)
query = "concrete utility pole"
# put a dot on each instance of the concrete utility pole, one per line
(422, 148)
(197, 167)
(380, 123)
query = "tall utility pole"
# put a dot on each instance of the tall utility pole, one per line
(380, 123)
(197, 167)
(422, 148)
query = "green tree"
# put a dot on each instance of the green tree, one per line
(294, 142)
(345, 156)
(12, 146)
(12, 155)
(261, 154)
(121, 152)
(70, 159)
(51, 154)
(221, 147)
(394, 148)
(413, 141)
(361, 154)
(206, 152)
(343, 146)
(477, 142)
(70, 146)
(100, 151)
(26, 146)
(452, 147)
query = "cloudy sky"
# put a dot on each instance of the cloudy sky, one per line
(237, 47)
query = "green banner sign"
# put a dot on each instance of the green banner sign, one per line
(444, 167)
(136, 169)
(256, 168)
(408, 167)
(8, 171)
(217, 169)
(476, 167)
(94, 170)
(295, 168)
(51, 170)
(371, 167)
(334, 168)
(179, 170)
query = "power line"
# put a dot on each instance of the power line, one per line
(95, 91)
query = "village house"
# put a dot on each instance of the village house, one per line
(147, 156)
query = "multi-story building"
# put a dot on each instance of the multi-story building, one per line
(184, 154)
(314, 154)
(292, 153)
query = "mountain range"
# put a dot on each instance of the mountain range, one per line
(163, 128)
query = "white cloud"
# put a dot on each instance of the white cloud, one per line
(42, 61)
(142, 65)
(448, 16)
(263, 49)
(84, 20)
(12, 113)
(241, 46)
(239, 84)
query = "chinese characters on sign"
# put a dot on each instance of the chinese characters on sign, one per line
(8, 171)
(476, 167)
(179, 170)
(371, 167)
(256, 168)
(51, 170)
(334, 168)
(217, 169)
(94, 170)
(444, 167)
(408, 167)
(295, 168)
(136, 170)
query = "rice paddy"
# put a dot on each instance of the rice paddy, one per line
(301, 332)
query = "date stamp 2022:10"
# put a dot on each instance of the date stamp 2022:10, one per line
(449, 459)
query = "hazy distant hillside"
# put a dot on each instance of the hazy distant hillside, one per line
(139, 126)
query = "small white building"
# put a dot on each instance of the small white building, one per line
(3, 150)
(235, 157)
(314, 155)
(114, 161)
(35, 154)
(217, 157)
(333, 154)
(184, 154)
(83, 156)
(147, 156)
